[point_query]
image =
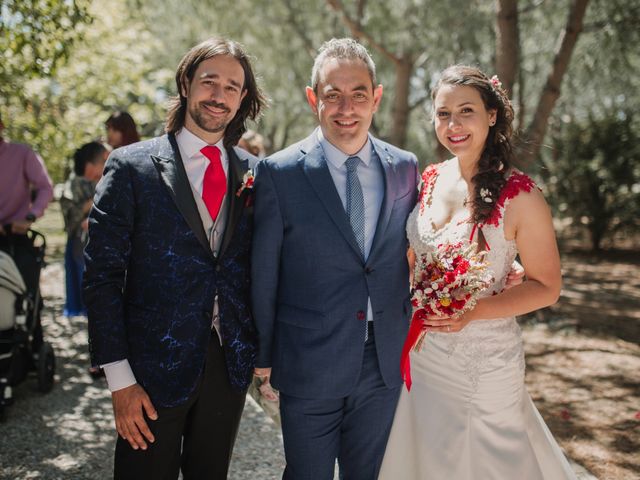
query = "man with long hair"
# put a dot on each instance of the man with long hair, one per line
(167, 278)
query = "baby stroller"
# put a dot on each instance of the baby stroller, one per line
(22, 349)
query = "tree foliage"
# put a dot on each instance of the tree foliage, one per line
(595, 174)
(108, 69)
(84, 58)
(35, 36)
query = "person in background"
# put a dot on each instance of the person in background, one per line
(25, 192)
(76, 201)
(121, 130)
(25, 187)
(253, 143)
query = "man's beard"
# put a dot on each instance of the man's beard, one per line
(207, 124)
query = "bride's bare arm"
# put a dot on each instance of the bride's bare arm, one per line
(528, 220)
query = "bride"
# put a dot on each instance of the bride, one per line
(468, 414)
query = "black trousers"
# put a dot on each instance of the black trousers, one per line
(196, 437)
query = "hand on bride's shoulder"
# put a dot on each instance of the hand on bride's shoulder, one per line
(515, 276)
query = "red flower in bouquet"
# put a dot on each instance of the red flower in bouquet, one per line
(446, 282)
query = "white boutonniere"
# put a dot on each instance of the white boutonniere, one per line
(247, 182)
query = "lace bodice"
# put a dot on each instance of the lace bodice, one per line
(482, 339)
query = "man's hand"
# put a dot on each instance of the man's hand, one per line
(128, 406)
(515, 276)
(265, 388)
(21, 227)
(262, 372)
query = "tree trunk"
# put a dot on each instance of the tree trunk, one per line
(521, 113)
(507, 43)
(400, 114)
(538, 126)
(596, 238)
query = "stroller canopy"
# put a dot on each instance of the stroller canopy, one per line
(10, 278)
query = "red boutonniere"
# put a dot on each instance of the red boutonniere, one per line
(247, 182)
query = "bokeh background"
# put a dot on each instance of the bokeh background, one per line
(572, 68)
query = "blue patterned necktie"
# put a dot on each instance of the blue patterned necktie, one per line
(355, 211)
(355, 201)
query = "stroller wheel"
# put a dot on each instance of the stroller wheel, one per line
(46, 367)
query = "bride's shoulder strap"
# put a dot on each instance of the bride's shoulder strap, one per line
(428, 178)
(516, 183)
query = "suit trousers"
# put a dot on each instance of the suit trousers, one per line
(196, 437)
(353, 429)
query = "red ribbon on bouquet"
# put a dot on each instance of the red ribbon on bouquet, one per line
(415, 330)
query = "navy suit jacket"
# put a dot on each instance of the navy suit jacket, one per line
(151, 277)
(310, 284)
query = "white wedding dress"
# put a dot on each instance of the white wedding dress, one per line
(468, 414)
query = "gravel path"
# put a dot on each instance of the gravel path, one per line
(69, 433)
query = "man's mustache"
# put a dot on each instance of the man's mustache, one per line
(212, 103)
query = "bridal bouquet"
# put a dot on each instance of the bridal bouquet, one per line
(446, 282)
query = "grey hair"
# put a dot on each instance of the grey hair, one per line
(341, 48)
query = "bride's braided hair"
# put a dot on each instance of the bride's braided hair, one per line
(497, 156)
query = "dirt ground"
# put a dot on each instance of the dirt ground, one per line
(583, 358)
(583, 363)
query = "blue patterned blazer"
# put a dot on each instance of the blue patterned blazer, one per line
(310, 281)
(151, 277)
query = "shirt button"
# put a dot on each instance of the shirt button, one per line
(360, 315)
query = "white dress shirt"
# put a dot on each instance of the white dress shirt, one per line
(372, 181)
(119, 374)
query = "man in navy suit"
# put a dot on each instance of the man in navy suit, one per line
(330, 276)
(167, 276)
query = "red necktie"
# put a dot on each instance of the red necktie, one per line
(214, 185)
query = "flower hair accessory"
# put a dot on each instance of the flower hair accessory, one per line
(485, 194)
(495, 82)
(247, 182)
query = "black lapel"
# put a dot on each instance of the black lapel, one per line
(317, 172)
(390, 190)
(169, 164)
(237, 169)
